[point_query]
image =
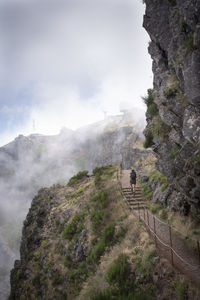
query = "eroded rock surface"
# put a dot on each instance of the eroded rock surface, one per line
(174, 127)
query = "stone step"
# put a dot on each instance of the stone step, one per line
(129, 189)
(131, 194)
(136, 208)
(134, 203)
(136, 194)
(135, 200)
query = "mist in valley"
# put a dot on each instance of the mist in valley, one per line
(77, 65)
(30, 163)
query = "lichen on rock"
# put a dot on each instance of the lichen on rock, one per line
(173, 27)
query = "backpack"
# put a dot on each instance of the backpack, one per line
(133, 175)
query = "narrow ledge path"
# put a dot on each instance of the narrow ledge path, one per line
(182, 255)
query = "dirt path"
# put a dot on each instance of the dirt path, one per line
(182, 253)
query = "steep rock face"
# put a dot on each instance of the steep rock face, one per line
(173, 114)
(121, 145)
(81, 241)
(29, 163)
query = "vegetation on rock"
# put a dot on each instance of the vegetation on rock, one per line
(91, 248)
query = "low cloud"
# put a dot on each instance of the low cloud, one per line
(70, 58)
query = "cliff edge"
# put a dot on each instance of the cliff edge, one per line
(173, 106)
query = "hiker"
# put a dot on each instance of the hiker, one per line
(133, 180)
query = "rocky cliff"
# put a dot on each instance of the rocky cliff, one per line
(173, 106)
(80, 241)
(29, 163)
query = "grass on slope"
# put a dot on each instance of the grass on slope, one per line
(91, 246)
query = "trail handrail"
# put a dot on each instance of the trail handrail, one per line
(167, 245)
(192, 269)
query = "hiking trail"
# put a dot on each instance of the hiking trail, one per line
(183, 254)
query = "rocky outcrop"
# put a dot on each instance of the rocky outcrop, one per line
(114, 147)
(173, 106)
(43, 246)
(81, 241)
(58, 238)
(29, 163)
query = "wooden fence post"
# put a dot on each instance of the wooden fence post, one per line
(170, 239)
(139, 210)
(148, 217)
(154, 225)
(198, 248)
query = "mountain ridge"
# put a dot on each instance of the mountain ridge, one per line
(30, 163)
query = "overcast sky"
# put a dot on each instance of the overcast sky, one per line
(65, 62)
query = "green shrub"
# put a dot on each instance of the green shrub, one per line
(69, 196)
(155, 208)
(75, 226)
(72, 274)
(164, 214)
(107, 171)
(148, 139)
(197, 158)
(99, 199)
(172, 2)
(57, 221)
(69, 231)
(36, 255)
(97, 179)
(120, 234)
(101, 295)
(164, 187)
(118, 272)
(76, 178)
(78, 274)
(83, 270)
(48, 265)
(175, 151)
(152, 110)
(106, 240)
(57, 278)
(147, 191)
(44, 243)
(181, 290)
(98, 215)
(148, 100)
(80, 190)
(98, 251)
(101, 170)
(158, 177)
(108, 234)
(97, 218)
(159, 128)
(170, 92)
(145, 263)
